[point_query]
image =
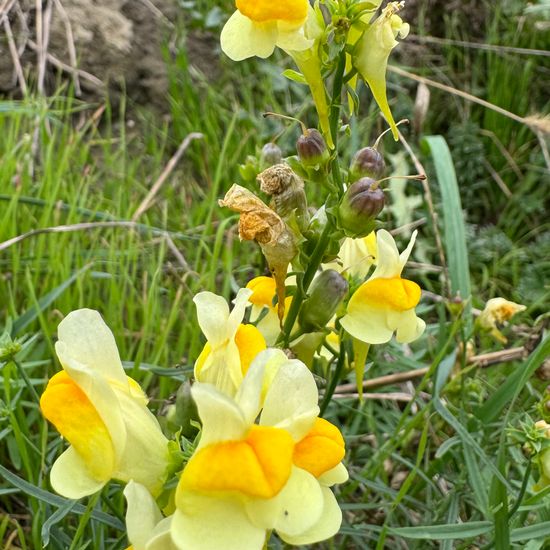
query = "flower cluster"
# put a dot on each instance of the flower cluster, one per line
(265, 459)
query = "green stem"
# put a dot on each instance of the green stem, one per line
(323, 242)
(303, 285)
(329, 392)
(26, 379)
(336, 104)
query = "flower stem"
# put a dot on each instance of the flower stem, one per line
(26, 379)
(324, 239)
(302, 287)
(336, 104)
(329, 392)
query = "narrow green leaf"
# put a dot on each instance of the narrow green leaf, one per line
(56, 500)
(514, 384)
(56, 517)
(32, 313)
(448, 531)
(537, 531)
(295, 76)
(456, 250)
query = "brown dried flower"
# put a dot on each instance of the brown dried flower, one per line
(260, 223)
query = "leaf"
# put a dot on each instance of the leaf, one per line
(447, 531)
(31, 314)
(456, 250)
(56, 517)
(56, 500)
(514, 384)
(295, 76)
(537, 531)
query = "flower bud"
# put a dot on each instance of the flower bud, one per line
(325, 295)
(360, 205)
(180, 414)
(367, 162)
(312, 148)
(271, 154)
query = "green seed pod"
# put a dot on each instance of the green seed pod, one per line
(326, 294)
(360, 205)
(367, 162)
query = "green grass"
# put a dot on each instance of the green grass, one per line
(440, 472)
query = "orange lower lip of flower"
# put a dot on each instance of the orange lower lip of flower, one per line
(395, 293)
(321, 449)
(68, 408)
(257, 467)
(261, 11)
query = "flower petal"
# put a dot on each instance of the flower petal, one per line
(338, 474)
(99, 392)
(257, 466)
(142, 514)
(250, 342)
(326, 526)
(291, 400)
(86, 338)
(321, 450)
(367, 324)
(221, 418)
(212, 313)
(294, 510)
(70, 476)
(161, 537)
(389, 262)
(144, 440)
(237, 313)
(68, 408)
(409, 327)
(204, 523)
(292, 39)
(263, 291)
(242, 38)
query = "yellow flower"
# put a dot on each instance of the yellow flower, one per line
(246, 479)
(101, 412)
(147, 528)
(356, 256)
(372, 52)
(258, 26)
(496, 312)
(385, 303)
(231, 346)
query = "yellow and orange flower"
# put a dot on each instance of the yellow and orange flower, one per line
(231, 346)
(259, 26)
(246, 479)
(386, 302)
(101, 412)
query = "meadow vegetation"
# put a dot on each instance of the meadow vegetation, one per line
(438, 461)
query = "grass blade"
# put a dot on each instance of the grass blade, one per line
(32, 313)
(447, 531)
(453, 219)
(56, 500)
(514, 384)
